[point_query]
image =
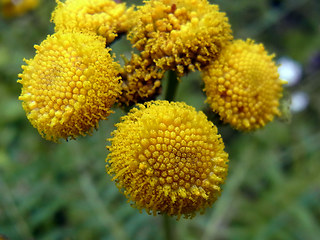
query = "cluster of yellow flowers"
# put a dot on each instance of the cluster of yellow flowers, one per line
(166, 156)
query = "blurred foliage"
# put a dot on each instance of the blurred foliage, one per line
(61, 191)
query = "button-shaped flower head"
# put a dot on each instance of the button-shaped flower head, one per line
(104, 17)
(180, 35)
(243, 85)
(141, 80)
(69, 85)
(168, 158)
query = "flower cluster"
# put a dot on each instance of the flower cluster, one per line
(165, 156)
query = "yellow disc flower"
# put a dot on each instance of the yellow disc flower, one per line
(70, 84)
(13, 8)
(243, 85)
(168, 158)
(104, 17)
(141, 80)
(180, 35)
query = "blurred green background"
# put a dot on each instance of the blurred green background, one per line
(61, 191)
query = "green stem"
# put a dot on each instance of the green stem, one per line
(167, 227)
(172, 86)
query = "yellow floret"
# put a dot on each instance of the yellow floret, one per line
(141, 80)
(180, 35)
(11, 8)
(243, 85)
(103, 17)
(70, 84)
(168, 158)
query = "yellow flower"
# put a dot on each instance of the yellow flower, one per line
(180, 35)
(141, 80)
(69, 85)
(243, 85)
(104, 17)
(13, 8)
(168, 158)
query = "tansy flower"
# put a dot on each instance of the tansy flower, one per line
(243, 85)
(168, 158)
(104, 17)
(12, 8)
(180, 35)
(69, 85)
(141, 80)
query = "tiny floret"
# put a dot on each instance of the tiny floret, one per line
(168, 158)
(70, 84)
(180, 35)
(243, 85)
